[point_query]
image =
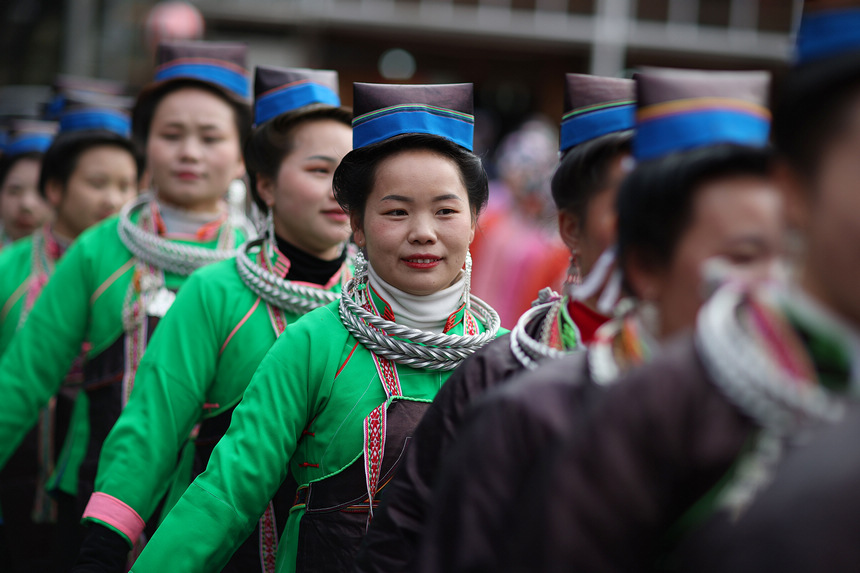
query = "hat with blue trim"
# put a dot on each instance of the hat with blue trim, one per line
(221, 64)
(29, 136)
(678, 110)
(595, 106)
(281, 90)
(383, 111)
(67, 88)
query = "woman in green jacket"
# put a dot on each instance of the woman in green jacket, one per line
(334, 401)
(226, 318)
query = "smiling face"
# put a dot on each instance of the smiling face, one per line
(104, 179)
(22, 208)
(193, 149)
(305, 211)
(417, 223)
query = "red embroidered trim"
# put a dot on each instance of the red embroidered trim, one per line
(268, 540)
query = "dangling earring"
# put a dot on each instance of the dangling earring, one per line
(270, 227)
(467, 287)
(360, 268)
(574, 272)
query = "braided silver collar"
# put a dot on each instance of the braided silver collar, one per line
(528, 351)
(281, 293)
(786, 408)
(169, 255)
(412, 347)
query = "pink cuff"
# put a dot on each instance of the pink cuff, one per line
(113, 512)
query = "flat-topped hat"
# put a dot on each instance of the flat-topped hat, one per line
(678, 110)
(101, 114)
(80, 88)
(383, 111)
(29, 136)
(221, 64)
(595, 106)
(828, 29)
(282, 90)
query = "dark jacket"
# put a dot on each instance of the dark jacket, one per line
(397, 526)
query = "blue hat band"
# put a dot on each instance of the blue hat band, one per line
(590, 125)
(664, 135)
(209, 73)
(828, 33)
(291, 98)
(399, 122)
(93, 119)
(39, 142)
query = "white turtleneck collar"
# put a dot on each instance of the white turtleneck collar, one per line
(424, 312)
(182, 222)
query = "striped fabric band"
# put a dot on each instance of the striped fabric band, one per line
(92, 119)
(290, 97)
(220, 73)
(382, 124)
(585, 124)
(28, 143)
(828, 33)
(687, 124)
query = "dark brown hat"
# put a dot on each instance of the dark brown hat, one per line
(595, 106)
(281, 90)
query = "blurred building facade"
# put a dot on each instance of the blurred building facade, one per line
(514, 50)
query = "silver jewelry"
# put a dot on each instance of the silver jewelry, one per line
(467, 288)
(276, 291)
(528, 351)
(785, 407)
(409, 346)
(169, 255)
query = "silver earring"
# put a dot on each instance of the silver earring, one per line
(467, 287)
(270, 227)
(574, 272)
(360, 267)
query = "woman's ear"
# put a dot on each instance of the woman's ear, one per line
(357, 231)
(796, 197)
(240, 169)
(54, 192)
(569, 229)
(266, 189)
(642, 276)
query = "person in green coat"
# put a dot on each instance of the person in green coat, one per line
(120, 276)
(227, 316)
(336, 398)
(89, 171)
(22, 208)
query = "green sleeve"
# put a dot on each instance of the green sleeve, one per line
(140, 453)
(15, 265)
(41, 353)
(219, 510)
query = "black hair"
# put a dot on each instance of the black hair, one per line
(7, 162)
(584, 171)
(269, 144)
(810, 106)
(61, 159)
(151, 96)
(356, 174)
(655, 201)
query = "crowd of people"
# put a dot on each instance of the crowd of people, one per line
(319, 390)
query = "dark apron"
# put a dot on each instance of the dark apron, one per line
(336, 507)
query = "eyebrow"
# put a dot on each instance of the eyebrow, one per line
(410, 200)
(321, 158)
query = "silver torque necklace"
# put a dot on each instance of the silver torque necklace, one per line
(528, 351)
(785, 407)
(169, 255)
(410, 346)
(276, 291)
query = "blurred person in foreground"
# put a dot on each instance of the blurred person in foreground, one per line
(517, 232)
(700, 197)
(807, 519)
(89, 172)
(696, 435)
(120, 276)
(22, 207)
(595, 143)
